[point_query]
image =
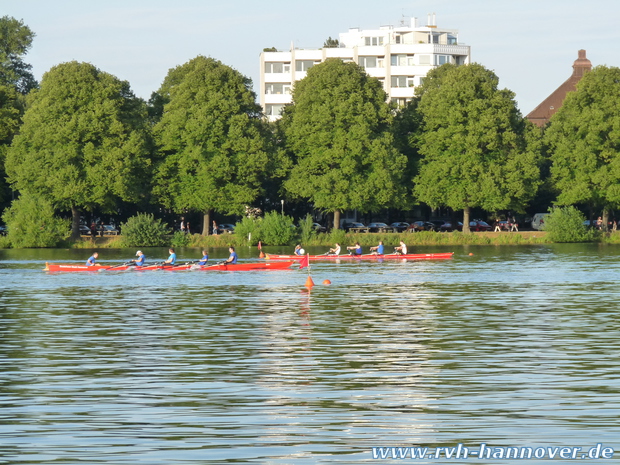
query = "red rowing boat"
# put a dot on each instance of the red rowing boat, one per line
(56, 267)
(410, 256)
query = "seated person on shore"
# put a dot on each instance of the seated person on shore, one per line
(140, 260)
(91, 261)
(355, 249)
(232, 259)
(171, 259)
(204, 259)
(334, 251)
(378, 250)
(401, 249)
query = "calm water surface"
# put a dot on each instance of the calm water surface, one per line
(513, 346)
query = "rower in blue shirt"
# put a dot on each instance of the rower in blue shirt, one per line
(91, 261)
(172, 258)
(232, 259)
(205, 258)
(355, 249)
(140, 260)
(378, 250)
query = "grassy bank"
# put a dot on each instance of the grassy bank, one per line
(365, 239)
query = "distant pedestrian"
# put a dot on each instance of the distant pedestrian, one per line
(214, 228)
(183, 227)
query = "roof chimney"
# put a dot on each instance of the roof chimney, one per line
(582, 65)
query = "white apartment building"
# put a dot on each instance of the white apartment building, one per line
(399, 57)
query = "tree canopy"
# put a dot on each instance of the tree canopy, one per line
(83, 143)
(583, 140)
(15, 41)
(473, 142)
(338, 134)
(212, 142)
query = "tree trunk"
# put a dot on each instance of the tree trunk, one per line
(605, 225)
(336, 219)
(75, 223)
(466, 212)
(206, 223)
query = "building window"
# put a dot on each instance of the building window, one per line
(402, 60)
(303, 65)
(452, 40)
(398, 39)
(277, 67)
(399, 81)
(368, 62)
(368, 41)
(425, 59)
(399, 101)
(442, 59)
(277, 88)
(274, 110)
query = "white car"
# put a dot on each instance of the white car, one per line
(538, 221)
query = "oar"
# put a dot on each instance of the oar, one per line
(115, 266)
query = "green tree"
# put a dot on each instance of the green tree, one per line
(212, 141)
(15, 41)
(338, 134)
(83, 143)
(32, 222)
(476, 148)
(583, 140)
(10, 119)
(331, 43)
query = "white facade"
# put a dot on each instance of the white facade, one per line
(399, 57)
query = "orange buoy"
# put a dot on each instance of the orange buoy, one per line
(327, 282)
(309, 282)
(471, 254)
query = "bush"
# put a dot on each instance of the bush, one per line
(246, 227)
(180, 239)
(277, 229)
(31, 222)
(307, 229)
(143, 230)
(566, 224)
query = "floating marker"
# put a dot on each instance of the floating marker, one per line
(327, 282)
(309, 282)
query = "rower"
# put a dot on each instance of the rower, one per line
(378, 250)
(91, 261)
(172, 258)
(355, 249)
(401, 249)
(299, 250)
(205, 258)
(140, 260)
(232, 259)
(334, 251)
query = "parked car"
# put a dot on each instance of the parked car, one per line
(3, 231)
(478, 225)
(400, 226)
(421, 226)
(84, 230)
(109, 230)
(438, 224)
(347, 226)
(538, 221)
(447, 226)
(226, 228)
(318, 228)
(376, 227)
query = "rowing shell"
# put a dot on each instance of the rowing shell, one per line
(55, 267)
(411, 256)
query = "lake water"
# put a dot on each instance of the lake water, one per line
(511, 346)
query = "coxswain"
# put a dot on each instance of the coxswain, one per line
(93, 258)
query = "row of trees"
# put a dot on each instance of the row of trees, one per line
(84, 142)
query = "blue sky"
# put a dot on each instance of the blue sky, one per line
(531, 45)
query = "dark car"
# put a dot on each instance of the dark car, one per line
(376, 227)
(109, 230)
(3, 231)
(318, 228)
(226, 228)
(84, 230)
(400, 226)
(421, 226)
(478, 225)
(352, 225)
(447, 226)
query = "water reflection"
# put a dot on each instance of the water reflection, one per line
(509, 346)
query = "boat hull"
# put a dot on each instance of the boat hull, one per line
(245, 266)
(411, 256)
(57, 267)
